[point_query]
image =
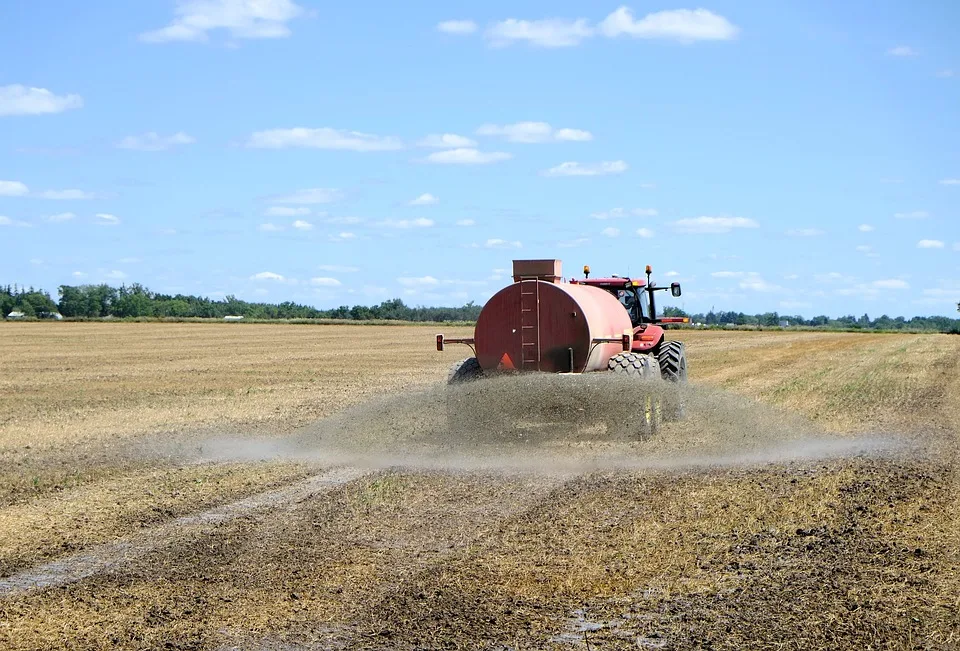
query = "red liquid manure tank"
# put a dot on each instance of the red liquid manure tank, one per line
(539, 323)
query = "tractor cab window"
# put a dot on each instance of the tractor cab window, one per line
(632, 304)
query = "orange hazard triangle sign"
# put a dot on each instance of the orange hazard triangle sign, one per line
(506, 362)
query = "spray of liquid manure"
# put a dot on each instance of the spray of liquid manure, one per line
(555, 423)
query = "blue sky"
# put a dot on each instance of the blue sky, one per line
(800, 157)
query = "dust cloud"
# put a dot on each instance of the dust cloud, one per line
(553, 424)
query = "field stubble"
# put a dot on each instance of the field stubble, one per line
(810, 499)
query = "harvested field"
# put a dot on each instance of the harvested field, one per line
(214, 486)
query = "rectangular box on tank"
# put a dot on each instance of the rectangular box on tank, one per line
(548, 270)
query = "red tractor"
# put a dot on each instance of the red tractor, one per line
(542, 323)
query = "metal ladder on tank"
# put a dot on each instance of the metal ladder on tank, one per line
(530, 323)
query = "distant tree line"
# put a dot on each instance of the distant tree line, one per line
(864, 322)
(98, 301)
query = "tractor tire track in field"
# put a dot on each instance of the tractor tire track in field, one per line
(111, 556)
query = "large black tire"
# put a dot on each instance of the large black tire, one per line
(465, 371)
(673, 362)
(642, 367)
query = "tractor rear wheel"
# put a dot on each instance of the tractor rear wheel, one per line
(673, 362)
(465, 371)
(643, 367)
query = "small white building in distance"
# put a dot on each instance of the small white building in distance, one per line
(13, 316)
(233, 318)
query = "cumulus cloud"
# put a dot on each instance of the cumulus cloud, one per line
(242, 19)
(713, 224)
(804, 232)
(61, 217)
(302, 225)
(610, 231)
(533, 132)
(152, 141)
(13, 189)
(930, 244)
(425, 199)
(17, 99)
(497, 243)
(683, 25)
(115, 274)
(6, 221)
(286, 211)
(467, 156)
(617, 213)
(916, 214)
(322, 138)
(446, 141)
(342, 237)
(644, 232)
(902, 51)
(345, 220)
(865, 228)
(572, 168)
(322, 281)
(550, 32)
(311, 196)
(466, 222)
(65, 195)
(268, 275)
(270, 227)
(422, 281)
(457, 27)
(106, 219)
(420, 222)
(894, 283)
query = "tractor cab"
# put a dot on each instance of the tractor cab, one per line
(630, 291)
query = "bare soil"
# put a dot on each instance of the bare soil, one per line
(177, 493)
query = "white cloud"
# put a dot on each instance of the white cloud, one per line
(6, 221)
(791, 277)
(902, 51)
(345, 220)
(572, 168)
(795, 305)
(617, 213)
(337, 268)
(497, 243)
(302, 225)
(864, 248)
(106, 219)
(533, 132)
(865, 228)
(115, 274)
(311, 196)
(570, 244)
(916, 214)
(13, 189)
(66, 195)
(323, 138)
(713, 224)
(425, 199)
(682, 25)
(152, 141)
(728, 274)
(466, 222)
(343, 237)
(286, 211)
(804, 232)
(419, 222)
(446, 141)
(61, 217)
(322, 281)
(756, 283)
(457, 27)
(671, 274)
(270, 228)
(245, 19)
(551, 32)
(79, 274)
(894, 283)
(645, 232)
(949, 181)
(267, 275)
(930, 244)
(423, 281)
(467, 156)
(610, 231)
(21, 100)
